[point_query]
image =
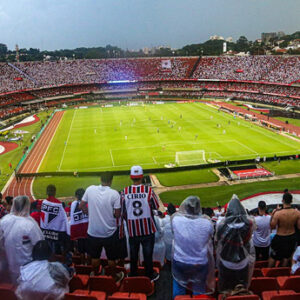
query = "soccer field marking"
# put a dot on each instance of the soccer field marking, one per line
(66, 143)
(256, 127)
(154, 160)
(241, 144)
(112, 158)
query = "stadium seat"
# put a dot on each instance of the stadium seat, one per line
(289, 283)
(268, 295)
(261, 284)
(275, 272)
(78, 282)
(85, 270)
(141, 271)
(76, 259)
(297, 273)
(156, 264)
(103, 283)
(257, 272)
(261, 264)
(85, 295)
(123, 296)
(7, 294)
(287, 297)
(245, 297)
(137, 285)
(188, 297)
(107, 270)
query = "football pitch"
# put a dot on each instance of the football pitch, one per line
(115, 138)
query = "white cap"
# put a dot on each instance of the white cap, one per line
(136, 172)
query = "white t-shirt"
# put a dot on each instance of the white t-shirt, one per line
(191, 237)
(296, 257)
(20, 235)
(261, 236)
(102, 201)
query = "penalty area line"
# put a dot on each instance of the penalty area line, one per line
(112, 158)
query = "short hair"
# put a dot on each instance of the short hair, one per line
(79, 193)
(51, 190)
(209, 211)
(287, 198)
(107, 177)
(9, 200)
(41, 251)
(262, 205)
(171, 209)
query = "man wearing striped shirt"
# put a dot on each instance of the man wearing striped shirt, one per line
(137, 203)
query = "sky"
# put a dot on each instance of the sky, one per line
(134, 24)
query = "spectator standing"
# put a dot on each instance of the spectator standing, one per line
(138, 202)
(54, 221)
(79, 222)
(193, 263)
(262, 233)
(285, 220)
(8, 203)
(104, 207)
(18, 234)
(3, 210)
(168, 233)
(235, 252)
(40, 279)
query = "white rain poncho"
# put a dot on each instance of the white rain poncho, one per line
(159, 245)
(192, 260)
(18, 234)
(41, 280)
(168, 236)
(235, 251)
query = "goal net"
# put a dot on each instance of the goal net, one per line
(188, 158)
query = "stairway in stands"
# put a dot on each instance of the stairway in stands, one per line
(195, 67)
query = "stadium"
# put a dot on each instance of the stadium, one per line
(151, 176)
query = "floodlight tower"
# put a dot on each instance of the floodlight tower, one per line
(17, 54)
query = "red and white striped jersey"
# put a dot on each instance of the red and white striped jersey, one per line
(137, 204)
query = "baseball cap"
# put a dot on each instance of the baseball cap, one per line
(136, 172)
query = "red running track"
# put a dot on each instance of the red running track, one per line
(34, 160)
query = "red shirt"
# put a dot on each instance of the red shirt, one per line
(53, 199)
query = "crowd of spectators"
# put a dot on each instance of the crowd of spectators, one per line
(194, 240)
(29, 75)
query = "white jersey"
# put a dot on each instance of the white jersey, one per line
(53, 220)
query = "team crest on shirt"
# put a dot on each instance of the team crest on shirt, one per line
(51, 211)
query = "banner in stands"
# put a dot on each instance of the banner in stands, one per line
(166, 65)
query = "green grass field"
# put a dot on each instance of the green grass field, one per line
(114, 138)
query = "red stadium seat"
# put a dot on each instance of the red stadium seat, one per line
(85, 270)
(107, 270)
(76, 259)
(78, 282)
(275, 272)
(261, 284)
(268, 295)
(104, 284)
(7, 294)
(85, 295)
(124, 296)
(287, 297)
(245, 297)
(257, 272)
(261, 264)
(141, 271)
(188, 297)
(137, 285)
(289, 283)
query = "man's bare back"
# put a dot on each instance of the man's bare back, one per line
(286, 219)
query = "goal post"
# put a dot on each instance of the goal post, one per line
(189, 158)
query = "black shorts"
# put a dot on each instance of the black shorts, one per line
(283, 246)
(262, 253)
(110, 244)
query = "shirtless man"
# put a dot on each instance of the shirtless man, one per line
(285, 241)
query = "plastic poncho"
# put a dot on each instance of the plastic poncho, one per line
(41, 280)
(168, 236)
(159, 250)
(18, 234)
(235, 250)
(192, 258)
